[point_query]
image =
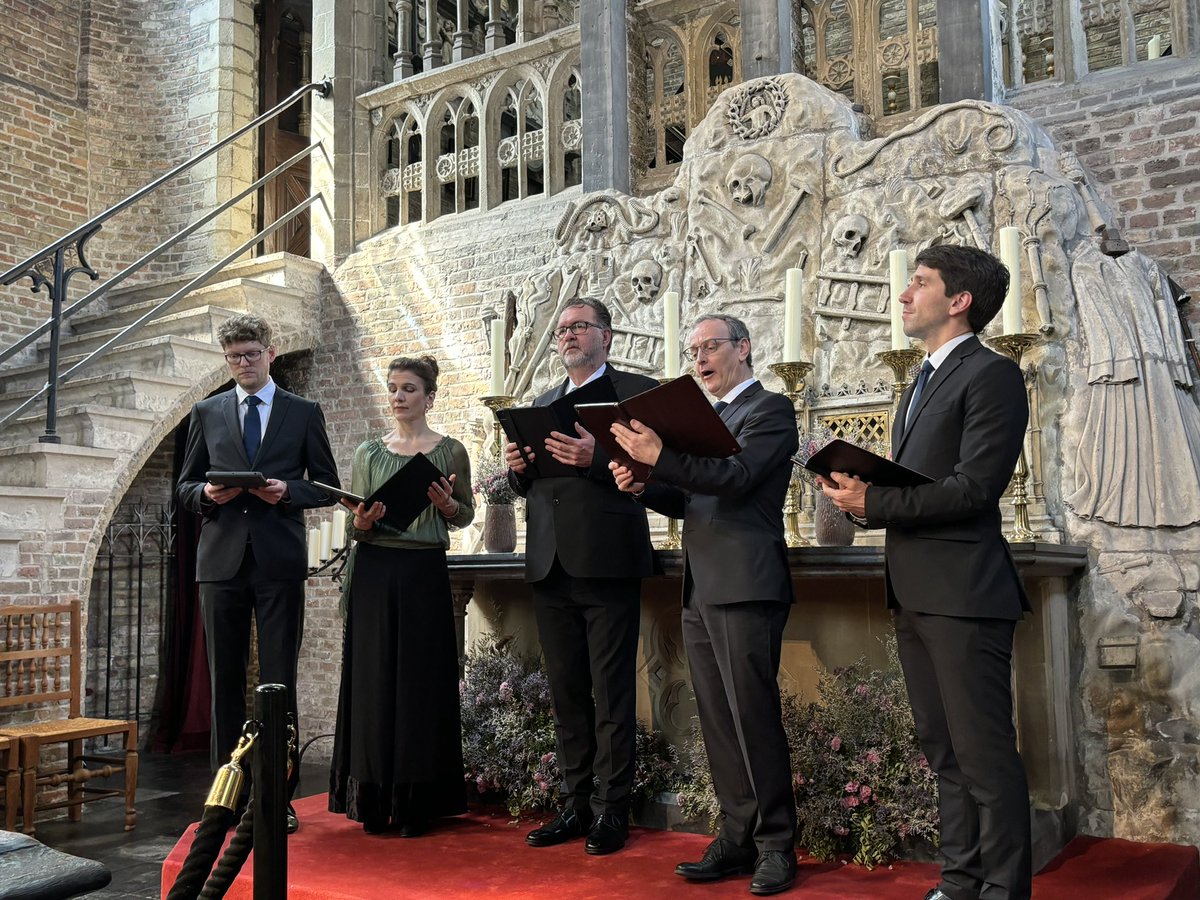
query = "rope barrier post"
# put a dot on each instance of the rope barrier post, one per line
(270, 793)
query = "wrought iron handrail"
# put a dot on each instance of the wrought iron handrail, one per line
(56, 255)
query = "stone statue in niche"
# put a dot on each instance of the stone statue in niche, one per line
(749, 180)
(1137, 462)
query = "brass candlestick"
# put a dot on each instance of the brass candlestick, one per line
(495, 404)
(1014, 346)
(793, 375)
(901, 362)
(672, 541)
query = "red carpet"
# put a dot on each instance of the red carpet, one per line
(481, 855)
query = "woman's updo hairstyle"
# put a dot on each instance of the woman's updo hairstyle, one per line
(425, 368)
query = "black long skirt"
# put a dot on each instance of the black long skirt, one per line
(397, 753)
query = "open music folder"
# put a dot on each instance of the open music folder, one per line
(842, 456)
(678, 412)
(405, 494)
(529, 426)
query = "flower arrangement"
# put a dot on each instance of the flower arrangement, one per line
(810, 442)
(863, 788)
(508, 735)
(491, 482)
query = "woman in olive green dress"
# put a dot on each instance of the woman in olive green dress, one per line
(397, 757)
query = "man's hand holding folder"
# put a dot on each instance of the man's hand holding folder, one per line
(549, 441)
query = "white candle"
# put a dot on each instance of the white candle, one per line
(339, 528)
(898, 280)
(1154, 47)
(671, 334)
(326, 538)
(314, 548)
(497, 386)
(1010, 255)
(793, 316)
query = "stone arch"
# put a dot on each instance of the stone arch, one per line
(391, 148)
(668, 95)
(564, 128)
(451, 109)
(718, 25)
(522, 93)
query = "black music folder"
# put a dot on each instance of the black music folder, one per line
(678, 411)
(236, 479)
(529, 426)
(842, 456)
(405, 494)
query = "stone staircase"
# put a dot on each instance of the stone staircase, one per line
(114, 414)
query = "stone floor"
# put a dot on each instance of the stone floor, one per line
(171, 792)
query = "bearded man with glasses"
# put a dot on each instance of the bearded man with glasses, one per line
(587, 547)
(251, 559)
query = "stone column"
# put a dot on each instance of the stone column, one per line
(343, 50)
(604, 56)
(965, 41)
(767, 28)
(433, 39)
(494, 39)
(464, 44)
(405, 33)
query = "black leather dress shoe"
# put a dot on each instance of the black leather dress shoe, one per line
(938, 894)
(567, 825)
(721, 858)
(775, 871)
(607, 835)
(293, 821)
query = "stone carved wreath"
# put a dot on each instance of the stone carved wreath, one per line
(756, 109)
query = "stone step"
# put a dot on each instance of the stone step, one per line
(238, 294)
(57, 466)
(27, 510)
(198, 324)
(89, 425)
(126, 390)
(279, 269)
(166, 355)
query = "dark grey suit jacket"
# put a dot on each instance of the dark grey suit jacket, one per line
(944, 552)
(596, 530)
(294, 447)
(732, 509)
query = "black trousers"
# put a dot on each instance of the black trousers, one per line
(733, 656)
(959, 677)
(588, 629)
(227, 607)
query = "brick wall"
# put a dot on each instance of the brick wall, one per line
(1140, 139)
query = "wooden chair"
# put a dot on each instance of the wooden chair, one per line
(11, 773)
(40, 665)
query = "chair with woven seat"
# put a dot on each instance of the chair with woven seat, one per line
(40, 669)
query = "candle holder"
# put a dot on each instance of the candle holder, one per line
(340, 556)
(1014, 347)
(495, 404)
(793, 375)
(901, 362)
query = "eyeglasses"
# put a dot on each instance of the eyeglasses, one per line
(249, 356)
(708, 348)
(574, 328)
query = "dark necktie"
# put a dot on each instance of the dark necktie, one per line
(922, 379)
(252, 428)
(719, 406)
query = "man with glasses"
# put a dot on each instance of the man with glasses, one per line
(737, 593)
(251, 559)
(587, 547)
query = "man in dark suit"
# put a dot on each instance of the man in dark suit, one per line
(251, 559)
(951, 581)
(587, 547)
(737, 593)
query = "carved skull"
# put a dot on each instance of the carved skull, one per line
(749, 179)
(645, 279)
(850, 235)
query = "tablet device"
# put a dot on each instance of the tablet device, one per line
(236, 479)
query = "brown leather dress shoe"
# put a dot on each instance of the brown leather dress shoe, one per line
(567, 825)
(721, 859)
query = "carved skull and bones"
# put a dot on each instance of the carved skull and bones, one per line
(749, 179)
(645, 279)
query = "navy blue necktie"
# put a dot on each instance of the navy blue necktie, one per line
(719, 406)
(922, 380)
(252, 428)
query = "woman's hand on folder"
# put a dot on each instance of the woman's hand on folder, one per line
(624, 479)
(848, 492)
(440, 494)
(365, 517)
(572, 451)
(639, 441)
